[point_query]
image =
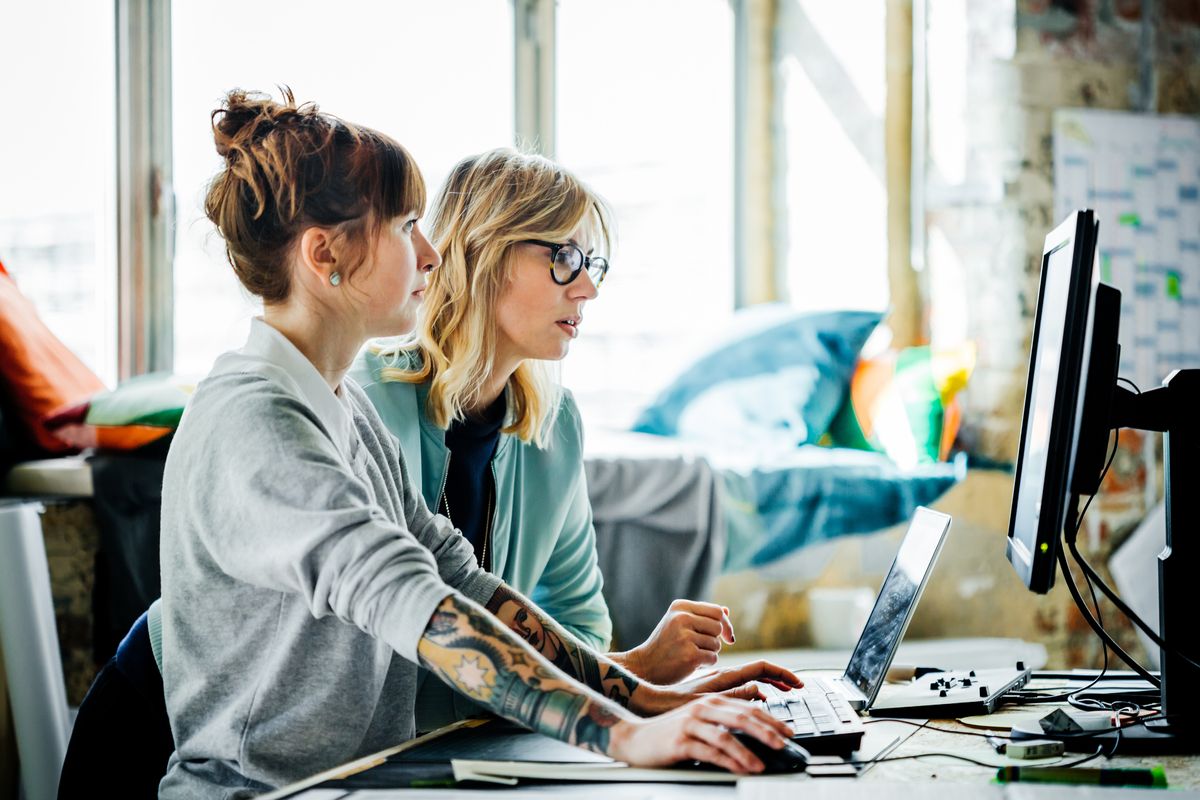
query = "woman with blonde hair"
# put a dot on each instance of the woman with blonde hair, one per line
(494, 443)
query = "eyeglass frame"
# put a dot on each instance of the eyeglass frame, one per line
(585, 263)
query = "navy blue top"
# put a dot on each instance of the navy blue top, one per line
(472, 443)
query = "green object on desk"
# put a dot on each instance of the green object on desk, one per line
(1155, 777)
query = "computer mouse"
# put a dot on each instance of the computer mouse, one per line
(791, 758)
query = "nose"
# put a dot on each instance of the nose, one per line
(430, 258)
(583, 287)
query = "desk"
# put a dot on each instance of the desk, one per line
(932, 776)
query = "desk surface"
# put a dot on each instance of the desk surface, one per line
(936, 776)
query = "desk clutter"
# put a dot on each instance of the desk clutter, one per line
(981, 756)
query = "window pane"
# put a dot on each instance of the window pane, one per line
(57, 167)
(437, 77)
(646, 117)
(830, 88)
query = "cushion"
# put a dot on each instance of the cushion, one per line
(39, 374)
(777, 377)
(904, 404)
(139, 411)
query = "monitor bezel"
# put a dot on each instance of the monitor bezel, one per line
(1037, 568)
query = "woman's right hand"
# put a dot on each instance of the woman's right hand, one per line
(698, 731)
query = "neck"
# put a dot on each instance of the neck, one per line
(329, 346)
(494, 384)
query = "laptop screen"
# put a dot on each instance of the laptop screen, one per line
(896, 601)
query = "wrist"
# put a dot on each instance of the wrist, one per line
(619, 737)
(650, 700)
(630, 661)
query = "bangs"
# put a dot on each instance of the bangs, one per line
(400, 188)
(590, 214)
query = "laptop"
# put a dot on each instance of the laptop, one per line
(823, 714)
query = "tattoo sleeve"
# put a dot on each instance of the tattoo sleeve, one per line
(562, 649)
(472, 651)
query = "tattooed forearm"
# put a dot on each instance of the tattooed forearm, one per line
(560, 648)
(472, 651)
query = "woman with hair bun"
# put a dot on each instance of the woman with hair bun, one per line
(304, 578)
(490, 438)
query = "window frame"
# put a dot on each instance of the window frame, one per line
(145, 198)
(145, 195)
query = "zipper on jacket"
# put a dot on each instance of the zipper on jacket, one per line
(489, 550)
(441, 495)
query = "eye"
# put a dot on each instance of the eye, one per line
(410, 226)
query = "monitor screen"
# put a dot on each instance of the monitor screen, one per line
(1056, 378)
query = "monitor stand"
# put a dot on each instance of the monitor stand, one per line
(1174, 410)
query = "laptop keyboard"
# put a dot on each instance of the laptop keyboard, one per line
(816, 713)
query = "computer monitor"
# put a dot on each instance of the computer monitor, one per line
(1054, 396)
(1072, 403)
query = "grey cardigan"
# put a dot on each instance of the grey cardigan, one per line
(299, 570)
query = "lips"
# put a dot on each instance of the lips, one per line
(570, 325)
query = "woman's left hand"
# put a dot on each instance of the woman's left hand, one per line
(688, 637)
(735, 682)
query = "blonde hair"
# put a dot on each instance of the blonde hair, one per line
(490, 203)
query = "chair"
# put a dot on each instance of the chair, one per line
(122, 737)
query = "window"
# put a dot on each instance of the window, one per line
(58, 168)
(438, 77)
(646, 118)
(830, 94)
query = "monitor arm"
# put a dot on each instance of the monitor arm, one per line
(1174, 409)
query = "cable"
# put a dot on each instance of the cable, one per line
(1103, 634)
(1126, 610)
(927, 726)
(1091, 575)
(1073, 698)
(1099, 752)
(1131, 383)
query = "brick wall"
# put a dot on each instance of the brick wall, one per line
(990, 206)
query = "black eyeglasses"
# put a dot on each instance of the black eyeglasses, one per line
(567, 261)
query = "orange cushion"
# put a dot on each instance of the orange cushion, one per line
(39, 374)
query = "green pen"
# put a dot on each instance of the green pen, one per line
(1155, 777)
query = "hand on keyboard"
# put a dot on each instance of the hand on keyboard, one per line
(739, 681)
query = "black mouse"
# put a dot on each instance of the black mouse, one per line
(791, 758)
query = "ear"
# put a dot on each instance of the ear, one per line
(316, 253)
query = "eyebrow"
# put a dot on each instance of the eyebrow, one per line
(590, 249)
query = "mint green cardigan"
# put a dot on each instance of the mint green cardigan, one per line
(543, 542)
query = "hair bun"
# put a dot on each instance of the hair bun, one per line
(245, 118)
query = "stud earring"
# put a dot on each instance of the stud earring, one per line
(335, 278)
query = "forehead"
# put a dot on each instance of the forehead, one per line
(584, 236)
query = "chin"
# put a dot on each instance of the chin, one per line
(401, 327)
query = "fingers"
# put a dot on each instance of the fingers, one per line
(697, 623)
(710, 610)
(778, 675)
(706, 642)
(770, 673)
(739, 715)
(716, 745)
(701, 751)
(747, 691)
(727, 626)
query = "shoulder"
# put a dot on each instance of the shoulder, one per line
(379, 361)
(246, 394)
(244, 417)
(566, 434)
